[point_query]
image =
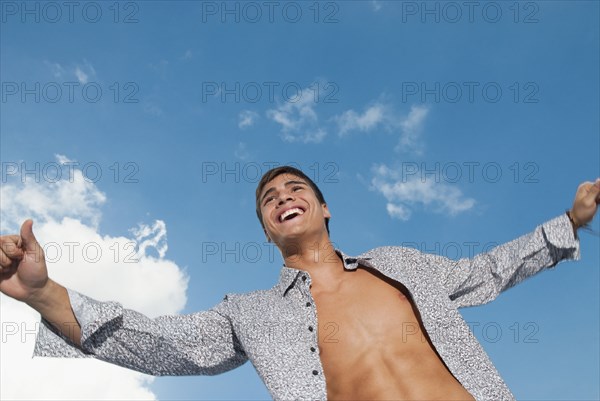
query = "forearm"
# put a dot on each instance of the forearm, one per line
(200, 343)
(480, 279)
(52, 302)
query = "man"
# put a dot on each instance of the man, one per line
(387, 327)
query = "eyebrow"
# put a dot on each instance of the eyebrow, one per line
(291, 182)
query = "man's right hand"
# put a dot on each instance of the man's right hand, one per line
(23, 272)
(24, 276)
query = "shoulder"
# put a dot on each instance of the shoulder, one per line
(250, 296)
(252, 309)
(392, 258)
(385, 252)
(247, 300)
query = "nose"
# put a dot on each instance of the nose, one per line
(284, 197)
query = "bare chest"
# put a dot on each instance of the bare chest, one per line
(373, 345)
(366, 309)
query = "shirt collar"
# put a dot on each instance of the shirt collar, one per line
(289, 275)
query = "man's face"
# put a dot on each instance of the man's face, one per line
(290, 209)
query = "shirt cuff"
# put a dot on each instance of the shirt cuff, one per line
(559, 233)
(91, 316)
(51, 343)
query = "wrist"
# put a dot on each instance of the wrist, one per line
(573, 220)
(574, 223)
(43, 295)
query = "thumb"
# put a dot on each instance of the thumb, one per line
(595, 190)
(28, 241)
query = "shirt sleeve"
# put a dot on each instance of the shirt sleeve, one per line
(480, 279)
(202, 343)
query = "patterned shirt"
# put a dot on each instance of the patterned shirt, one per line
(276, 329)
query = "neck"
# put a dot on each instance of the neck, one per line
(317, 257)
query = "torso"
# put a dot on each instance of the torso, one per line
(373, 345)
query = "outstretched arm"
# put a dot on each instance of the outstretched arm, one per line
(480, 279)
(75, 325)
(202, 343)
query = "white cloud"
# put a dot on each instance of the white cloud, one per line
(398, 211)
(73, 195)
(298, 119)
(376, 5)
(82, 77)
(62, 159)
(24, 378)
(56, 68)
(299, 122)
(154, 236)
(403, 192)
(188, 55)
(247, 118)
(352, 121)
(310, 136)
(66, 220)
(412, 127)
(83, 72)
(382, 116)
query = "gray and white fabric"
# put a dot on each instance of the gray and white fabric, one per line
(276, 329)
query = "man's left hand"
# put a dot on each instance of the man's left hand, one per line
(586, 203)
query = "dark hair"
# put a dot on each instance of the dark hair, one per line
(277, 171)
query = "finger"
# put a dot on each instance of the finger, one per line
(596, 189)
(9, 244)
(7, 273)
(5, 261)
(582, 190)
(30, 243)
(592, 192)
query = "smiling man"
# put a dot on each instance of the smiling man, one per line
(380, 325)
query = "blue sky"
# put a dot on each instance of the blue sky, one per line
(431, 124)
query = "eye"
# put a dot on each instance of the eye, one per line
(296, 188)
(268, 199)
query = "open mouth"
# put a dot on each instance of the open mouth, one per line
(291, 214)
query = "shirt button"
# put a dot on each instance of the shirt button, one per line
(303, 278)
(315, 372)
(310, 328)
(308, 304)
(313, 349)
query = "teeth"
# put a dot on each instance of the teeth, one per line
(289, 212)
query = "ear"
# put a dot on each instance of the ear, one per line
(326, 212)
